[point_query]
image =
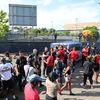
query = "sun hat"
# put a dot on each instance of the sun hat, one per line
(35, 77)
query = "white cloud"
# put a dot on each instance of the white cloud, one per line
(86, 3)
(64, 14)
(61, 1)
(4, 5)
(45, 2)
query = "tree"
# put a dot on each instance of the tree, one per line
(43, 31)
(90, 33)
(51, 31)
(67, 33)
(4, 28)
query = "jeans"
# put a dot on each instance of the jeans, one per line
(49, 70)
(44, 69)
(85, 78)
(59, 72)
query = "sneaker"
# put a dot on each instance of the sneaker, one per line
(60, 93)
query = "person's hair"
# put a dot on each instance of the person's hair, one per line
(59, 56)
(3, 60)
(35, 51)
(69, 63)
(34, 84)
(50, 52)
(7, 54)
(53, 76)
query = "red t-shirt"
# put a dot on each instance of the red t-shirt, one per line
(73, 55)
(62, 53)
(85, 52)
(97, 59)
(31, 94)
(50, 61)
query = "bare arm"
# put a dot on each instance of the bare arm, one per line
(66, 70)
(55, 63)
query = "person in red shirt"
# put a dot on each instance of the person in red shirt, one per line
(73, 55)
(61, 52)
(30, 91)
(49, 63)
(85, 53)
(96, 68)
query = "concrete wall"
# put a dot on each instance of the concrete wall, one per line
(26, 46)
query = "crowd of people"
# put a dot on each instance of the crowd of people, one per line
(59, 65)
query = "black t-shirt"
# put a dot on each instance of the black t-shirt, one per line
(21, 62)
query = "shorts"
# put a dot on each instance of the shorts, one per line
(96, 68)
(50, 98)
(67, 78)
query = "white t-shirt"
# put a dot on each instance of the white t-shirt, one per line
(30, 70)
(52, 88)
(5, 71)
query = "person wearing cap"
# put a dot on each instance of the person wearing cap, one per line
(6, 78)
(30, 91)
(8, 57)
(52, 86)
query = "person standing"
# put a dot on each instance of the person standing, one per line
(30, 91)
(88, 71)
(52, 86)
(6, 78)
(96, 68)
(73, 55)
(68, 76)
(20, 62)
(85, 53)
(45, 56)
(8, 57)
(59, 66)
(49, 63)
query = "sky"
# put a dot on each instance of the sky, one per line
(57, 13)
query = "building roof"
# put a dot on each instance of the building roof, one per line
(80, 25)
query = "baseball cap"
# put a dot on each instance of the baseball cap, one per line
(35, 77)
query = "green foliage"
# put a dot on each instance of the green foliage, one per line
(95, 33)
(51, 31)
(67, 33)
(39, 31)
(4, 28)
